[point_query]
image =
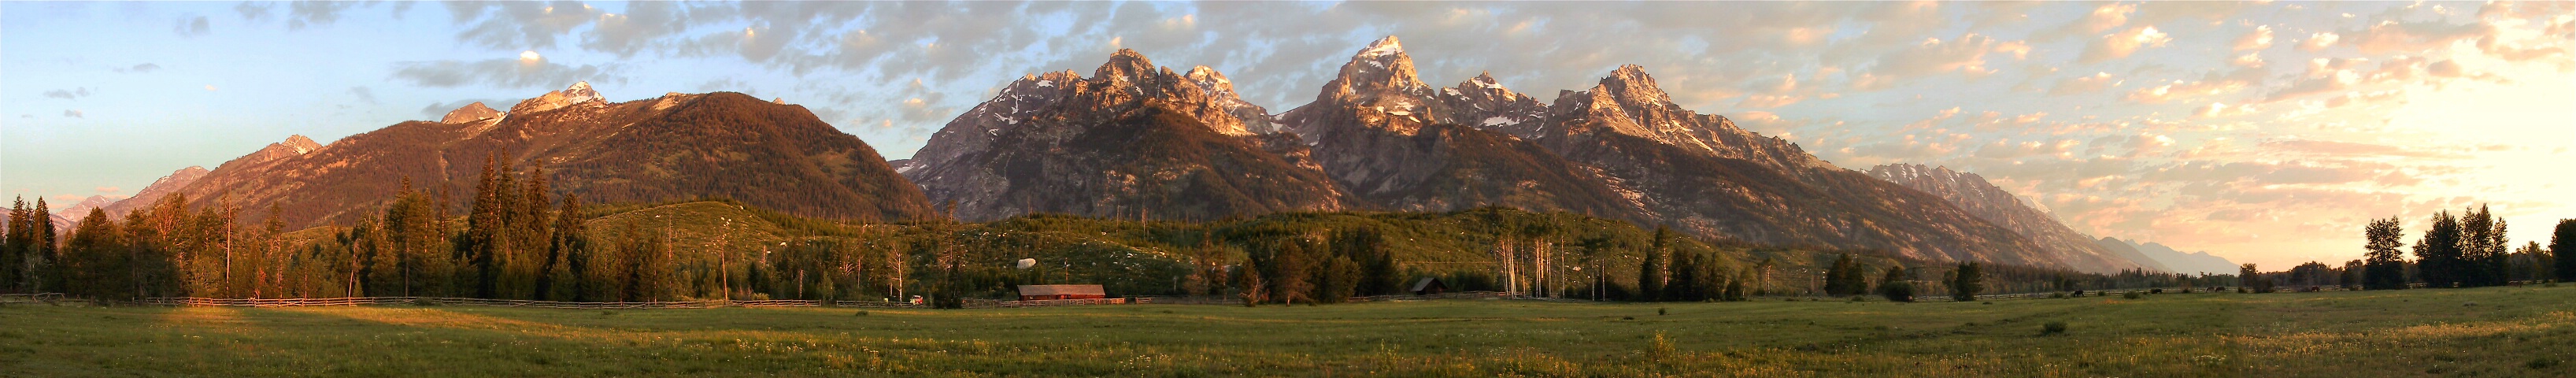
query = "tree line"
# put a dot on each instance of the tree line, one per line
(2465, 250)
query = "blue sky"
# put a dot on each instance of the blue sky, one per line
(2264, 132)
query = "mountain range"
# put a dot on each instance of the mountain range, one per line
(677, 146)
(1134, 139)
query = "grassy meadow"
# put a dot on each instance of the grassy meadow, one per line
(2516, 331)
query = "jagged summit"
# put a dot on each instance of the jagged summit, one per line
(1632, 85)
(470, 113)
(1383, 67)
(1383, 46)
(579, 94)
(1126, 64)
(1134, 138)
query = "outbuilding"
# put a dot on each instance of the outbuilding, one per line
(1053, 292)
(1429, 286)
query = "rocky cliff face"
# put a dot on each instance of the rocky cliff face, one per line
(1994, 205)
(153, 193)
(1131, 140)
(1702, 174)
(1381, 138)
(1397, 144)
(677, 146)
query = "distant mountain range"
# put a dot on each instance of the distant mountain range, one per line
(2174, 261)
(1971, 192)
(676, 146)
(1134, 139)
(1138, 140)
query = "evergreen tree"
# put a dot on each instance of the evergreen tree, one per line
(1685, 283)
(1366, 246)
(13, 256)
(2385, 267)
(94, 259)
(1339, 282)
(1650, 274)
(566, 255)
(43, 254)
(1967, 281)
(2561, 243)
(1834, 274)
(1292, 272)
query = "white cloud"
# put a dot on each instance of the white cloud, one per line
(2319, 41)
(2121, 44)
(2260, 38)
(2097, 82)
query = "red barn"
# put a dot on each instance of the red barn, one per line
(1051, 292)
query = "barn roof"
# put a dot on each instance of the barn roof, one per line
(1061, 290)
(1426, 282)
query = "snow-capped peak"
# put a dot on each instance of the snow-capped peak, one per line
(580, 92)
(1383, 46)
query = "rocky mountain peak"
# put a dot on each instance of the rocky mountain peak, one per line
(301, 144)
(293, 146)
(470, 113)
(1484, 103)
(1127, 64)
(1381, 68)
(579, 94)
(1632, 85)
(1210, 79)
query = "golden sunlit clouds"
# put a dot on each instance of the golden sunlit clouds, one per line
(530, 56)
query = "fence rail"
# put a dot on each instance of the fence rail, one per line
(382, 301)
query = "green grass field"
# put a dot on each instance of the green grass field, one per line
(2461, 332)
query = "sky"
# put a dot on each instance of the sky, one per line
(2263, 132)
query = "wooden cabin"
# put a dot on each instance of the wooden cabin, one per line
(1429, 286)
(1054, 292)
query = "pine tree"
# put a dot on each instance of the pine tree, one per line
(566, 255)
(1685, 283)
(2385, 268)
(45, 251)
(1339, 282)
(2561, 243)
(1650, 274)
(92, 259)
(13, 256)
(1967, 282)
(1292, 273)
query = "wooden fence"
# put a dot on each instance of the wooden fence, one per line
(444, 301)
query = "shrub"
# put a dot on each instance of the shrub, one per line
(2056, 295)
(1899, 291)
(862, 313)
(2156, 291)
(2053, 328)
(1661, 350)
(1659, 311)
(2132, 295)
